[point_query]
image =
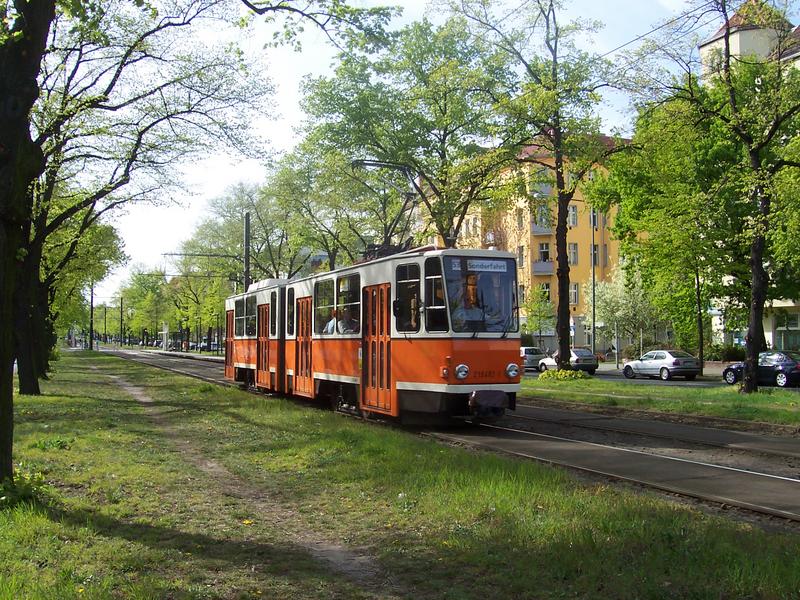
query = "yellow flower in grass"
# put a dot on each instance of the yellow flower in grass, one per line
(247, 522)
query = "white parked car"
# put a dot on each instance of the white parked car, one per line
(580, 358)
(663, 364)
(530, 356)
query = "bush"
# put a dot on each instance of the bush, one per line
(26, 487)
(725, 353)
(562, 375)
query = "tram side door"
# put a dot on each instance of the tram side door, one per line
(229, 370)
(303, 380)
(376, 351)
(262, 348)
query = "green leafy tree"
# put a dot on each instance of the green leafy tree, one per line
(24, 29)
(423, 106)
(549, 111)
(752, 102)
(623, 305)
(540, 314)
(97, 125)
(677, 221)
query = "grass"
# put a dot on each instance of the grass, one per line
(129, 514)
(768, 405)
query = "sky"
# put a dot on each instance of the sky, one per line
(151, 231)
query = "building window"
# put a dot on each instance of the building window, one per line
(521, 294)
(573, 293)
(593, 256)
(520, 257)
(520, 221)
(546, 291)
(544, 251)
(543, 216)
(475, 229)
(572, 250)
(593, 218)
(572, 215)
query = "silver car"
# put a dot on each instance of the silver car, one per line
(580, 359)
(530, 356)
(663, 364)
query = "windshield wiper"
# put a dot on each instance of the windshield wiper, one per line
(509, 322)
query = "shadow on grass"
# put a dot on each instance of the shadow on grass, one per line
(282, 559)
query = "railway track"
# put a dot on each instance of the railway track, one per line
(657, 457)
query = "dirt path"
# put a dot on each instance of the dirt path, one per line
(357, 566)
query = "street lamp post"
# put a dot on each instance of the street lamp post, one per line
(594, 261)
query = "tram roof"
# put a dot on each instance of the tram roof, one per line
(425, 251)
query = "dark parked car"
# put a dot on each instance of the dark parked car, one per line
(781, 368)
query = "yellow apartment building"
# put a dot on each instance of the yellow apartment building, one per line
(526, 227)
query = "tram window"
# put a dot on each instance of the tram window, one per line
(406, 304)
(290, 311)
(348, 303)
(435, 306)
(273, 311)
(324, 308)
(250, 315)
(239, 317)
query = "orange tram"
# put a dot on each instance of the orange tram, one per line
(427, 333)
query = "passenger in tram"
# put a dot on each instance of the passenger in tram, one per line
(347, 324)
(330, 326)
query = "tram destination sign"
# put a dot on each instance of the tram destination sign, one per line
(495, 266)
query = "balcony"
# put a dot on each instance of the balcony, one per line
(537, 229)
(543, 267)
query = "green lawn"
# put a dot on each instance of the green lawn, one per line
(768, 405)
(130, 513)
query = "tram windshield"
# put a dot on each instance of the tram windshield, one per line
(482, 294)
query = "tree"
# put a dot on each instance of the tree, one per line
(623, 305)
(423, 106)
(539, 312)
(677, 220)
(99, 126)
(753, 102)
(550, 121)
(24, 28)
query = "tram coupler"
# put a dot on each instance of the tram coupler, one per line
(488, 403)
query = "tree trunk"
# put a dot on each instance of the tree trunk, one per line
(562, 275)
(21, 162)
(31, 325)
(754, 339)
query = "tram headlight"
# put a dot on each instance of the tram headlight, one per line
(512, 370)
(462, 371)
